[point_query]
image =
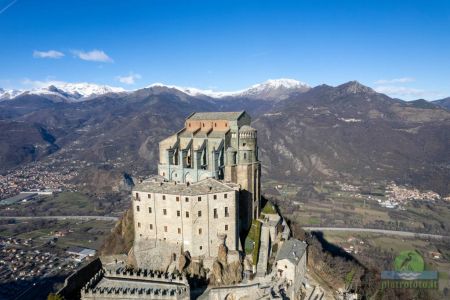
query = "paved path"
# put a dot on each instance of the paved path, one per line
(390, 232)
(99, 218)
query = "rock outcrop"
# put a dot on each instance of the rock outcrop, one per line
(227, 268)
(121, 238)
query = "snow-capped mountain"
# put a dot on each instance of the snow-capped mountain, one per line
(64, 91)
(8, 94)
(272, 89)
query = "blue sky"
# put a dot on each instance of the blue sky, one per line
(398, 47)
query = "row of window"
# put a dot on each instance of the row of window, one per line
(186, 199)
(166, 228)
(199, 213)
(203, 124)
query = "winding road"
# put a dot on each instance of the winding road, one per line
(382, 231)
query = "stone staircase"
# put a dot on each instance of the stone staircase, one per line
(261, 267)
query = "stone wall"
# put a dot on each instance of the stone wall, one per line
(125, 283)
(196, 223)
(74, 283)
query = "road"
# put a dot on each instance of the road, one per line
(98, 218)
(382, 231)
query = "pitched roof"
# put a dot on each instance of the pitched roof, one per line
(229, 116)
(203, 187)
(292, 250)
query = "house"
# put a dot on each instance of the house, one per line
(290, 264)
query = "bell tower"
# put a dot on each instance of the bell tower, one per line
(244, 168)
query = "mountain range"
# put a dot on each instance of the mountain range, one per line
(348, 132)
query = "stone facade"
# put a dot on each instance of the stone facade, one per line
(219, 145)
(196, 216)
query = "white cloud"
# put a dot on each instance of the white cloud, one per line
(395, 80)
(130, 79)
(407, 93)
(400, 91)
(47, 54)
(94, 55)
(37, 84)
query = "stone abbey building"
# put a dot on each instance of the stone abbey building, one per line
(207, 190)
(200, 218)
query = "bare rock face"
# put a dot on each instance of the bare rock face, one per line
(224, 270)
(196, 269)
(222, 254)
(184, 261)
(121, 238)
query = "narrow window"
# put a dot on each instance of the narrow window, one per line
(151, 226)
(178, 213)
(215, 213)
(226, 212)
(189, 124)
(149, 196)
(139, 224)
(137, 195)
(149, 210)
(199, 213)
(179, 230)
(226, 124)
(199, 231)
(201, 247)
(225, 196)
(215, 124)
(140, 234)
(215, 197)
(164, 211)
(178, 199)
(137, 207)
(245, 155)
(186, 199)
(164, 173)
(164, 197)
(203, 124)
(226, 227)
(199, 199)
(165, 228)
(187, 214)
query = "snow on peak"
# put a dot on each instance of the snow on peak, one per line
(9, 94)
(272, 88)
(75, 91)
(281, 83)
(187, 90)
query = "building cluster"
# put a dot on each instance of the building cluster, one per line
(402, 194)
(204, 207)
(23, 263)
(35, 177)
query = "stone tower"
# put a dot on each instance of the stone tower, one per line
(243, 167)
